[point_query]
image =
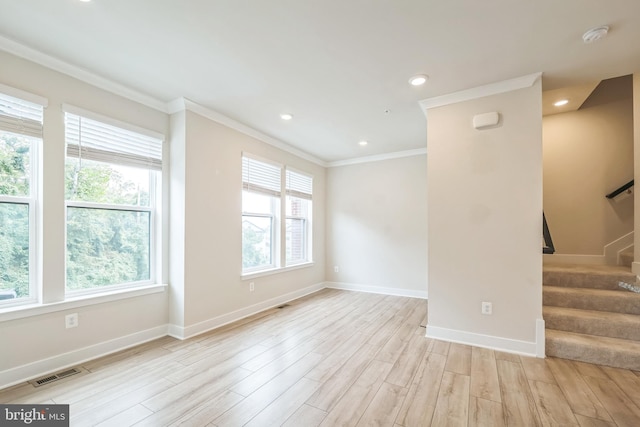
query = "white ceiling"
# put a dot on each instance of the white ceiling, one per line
(336, 65)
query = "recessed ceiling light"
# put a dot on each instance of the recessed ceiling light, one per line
(561, 102)
(595, 34)
(418, 80)
(363, 143)
(85, 1)
(286, 116)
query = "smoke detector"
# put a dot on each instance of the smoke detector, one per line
(595, 34)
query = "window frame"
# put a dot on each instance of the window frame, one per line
(292, 192)
(31, 202)
(279, 230)
(35, 135)
(272, 247)
(265, 186)
(118, 208)
(154, 207)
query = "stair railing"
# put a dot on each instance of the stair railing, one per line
(547, 245)
(620, 190)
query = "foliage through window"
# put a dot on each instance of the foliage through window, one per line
(112, 184)
(265, 221)
(20, 137)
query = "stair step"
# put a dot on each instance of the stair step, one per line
(592, 299)
(626, 258)
(614, 352)
(587, 276)
(601, 323)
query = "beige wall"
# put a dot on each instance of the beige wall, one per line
(202, 233)
(212, 286)
(42, 338)
(485, 222)
(588, 153)
(376, 226)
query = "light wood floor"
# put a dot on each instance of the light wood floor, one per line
(331, 359)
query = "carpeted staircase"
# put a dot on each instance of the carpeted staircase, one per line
(588, 317)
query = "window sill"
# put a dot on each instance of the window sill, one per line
(22, 311)
(261, 273)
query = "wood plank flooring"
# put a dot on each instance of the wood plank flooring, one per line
(336, 358)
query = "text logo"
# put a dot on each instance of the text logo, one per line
(34, 415)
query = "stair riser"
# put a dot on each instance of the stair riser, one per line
(584, 280)
(624, 329)
(626, 259)
(623, 303)
(599, 356)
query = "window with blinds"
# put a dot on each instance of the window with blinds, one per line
(21, 124)
(92, 140)
(112, 186)
(264, 224)
(262, 187)
(261, 177)
(299, 190)
(20, 117)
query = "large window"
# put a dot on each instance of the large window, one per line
(112, 186)
(20, 137)
(265, 222)
(260, 214)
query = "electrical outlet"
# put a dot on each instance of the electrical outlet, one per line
(336, 269)
(71, 320)
(487, 308)
(252, 287)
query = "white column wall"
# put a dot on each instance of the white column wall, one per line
(485, 221)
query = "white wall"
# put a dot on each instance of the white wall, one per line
(587, 154)
(38, 343)
(485, 222)
(376, 226)
(213, 289)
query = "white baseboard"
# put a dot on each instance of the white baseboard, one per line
(411, 293)
(609, 255)
(613, 249)
(32, 370)
(524, 348)
(216, 322)
(26, 372)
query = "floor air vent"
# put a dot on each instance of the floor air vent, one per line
(54, 377)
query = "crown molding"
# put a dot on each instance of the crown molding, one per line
(481, 91)
(378, 158)
(184, 104)
(79, 73)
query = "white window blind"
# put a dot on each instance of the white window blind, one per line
(93, 140)
(261, 177)
(19, 116)
(299, 185)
